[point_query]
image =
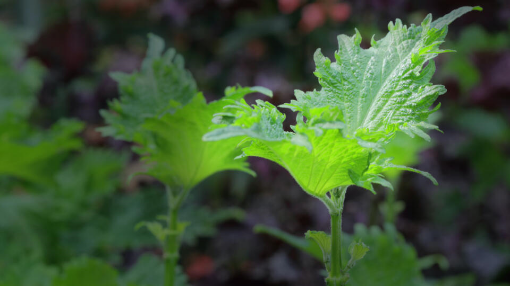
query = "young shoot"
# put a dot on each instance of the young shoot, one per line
(161, 110)
(339, 139)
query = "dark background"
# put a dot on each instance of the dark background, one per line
(270, 43)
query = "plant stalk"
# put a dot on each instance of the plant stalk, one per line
(172, 242)
(172, 248)
(337, 277)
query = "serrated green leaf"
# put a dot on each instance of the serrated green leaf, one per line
(176, 153)
(159, 88)
(325, 168)
(161, 110)
(367, 96)
(384, 87)
(323, 240)
(357, 250)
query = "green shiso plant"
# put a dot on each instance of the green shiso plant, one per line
(161, 110)
(341, 130)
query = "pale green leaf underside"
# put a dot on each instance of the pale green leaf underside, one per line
(324, 168)
(176, 153)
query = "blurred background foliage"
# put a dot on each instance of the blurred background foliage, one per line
(67, 206)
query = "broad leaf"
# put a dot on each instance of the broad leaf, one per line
(367, 96)
(160, 87)
(386, 86)
(161, 110)
(176, 153)
(327, 166)
(318, 163)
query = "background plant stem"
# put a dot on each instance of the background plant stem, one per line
(172, 243)
(172, 248)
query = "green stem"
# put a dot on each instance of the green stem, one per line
(337, 277)
(336, 244)
(172, 247)
(172, 243)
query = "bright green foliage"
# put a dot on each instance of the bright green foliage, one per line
(86, 272)
(328, 157)
(161, 110)
(176, 152)
(323, 240)
(367, 96)
(159, 88)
